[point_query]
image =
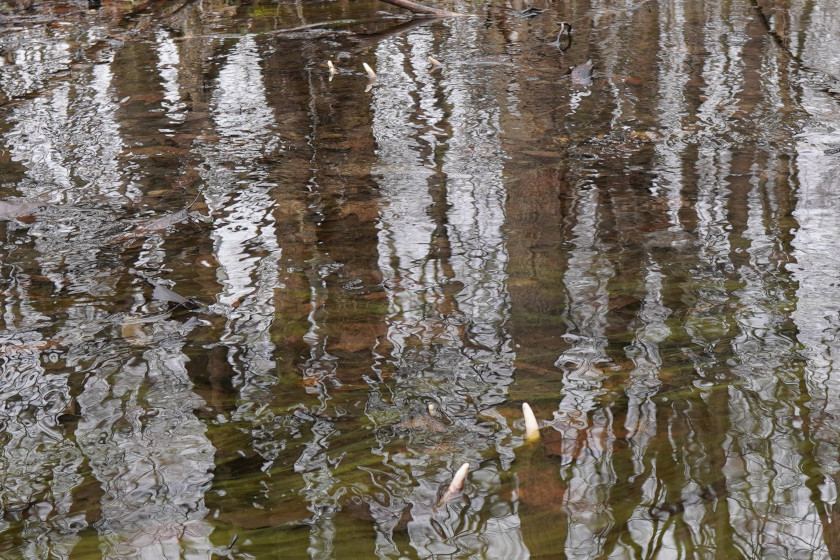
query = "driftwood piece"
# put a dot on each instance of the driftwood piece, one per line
(416, 8)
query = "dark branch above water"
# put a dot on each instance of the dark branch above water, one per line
(416, 8)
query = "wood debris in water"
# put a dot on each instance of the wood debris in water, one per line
(564, 28)
(532, 428)
(456, 485)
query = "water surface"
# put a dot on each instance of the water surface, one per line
(231, 283)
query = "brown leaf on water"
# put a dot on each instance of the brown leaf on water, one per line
(308, 381)
(133, 332)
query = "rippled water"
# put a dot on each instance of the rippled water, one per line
(232, 284)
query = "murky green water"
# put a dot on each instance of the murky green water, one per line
(231, 283)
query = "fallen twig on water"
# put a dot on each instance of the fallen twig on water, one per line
(416, 8)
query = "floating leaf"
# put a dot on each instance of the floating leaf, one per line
(154, 226)
(162, 223)
(581, 74)
(422, 423)
(164, 294)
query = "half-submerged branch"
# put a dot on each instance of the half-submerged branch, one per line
(416, 8)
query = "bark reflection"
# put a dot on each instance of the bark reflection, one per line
(388, 269)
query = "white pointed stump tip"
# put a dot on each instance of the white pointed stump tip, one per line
(371, 74)
(456, 485)
(532, 428)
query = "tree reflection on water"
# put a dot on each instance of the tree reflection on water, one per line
(384, 271)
